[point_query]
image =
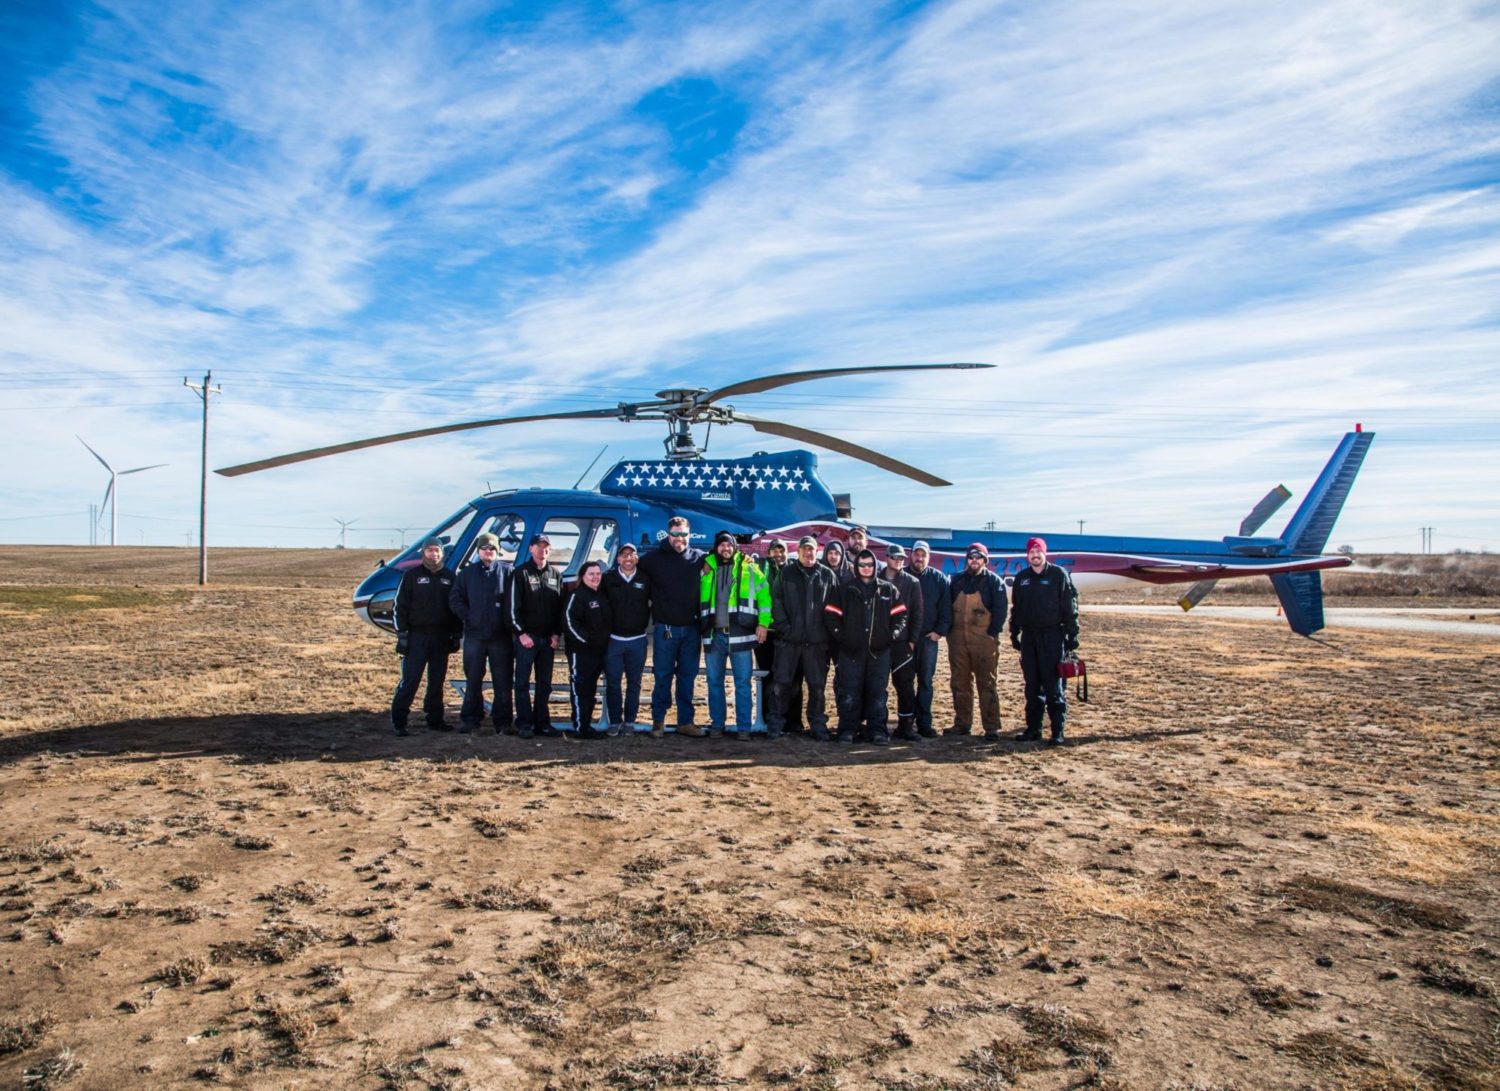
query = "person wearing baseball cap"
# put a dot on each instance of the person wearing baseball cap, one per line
(1043, 628)
(425, 631)
(978, 599)
(797, 607)
(904, 652)
(935, 624)
(536, 618)
(478, 598)
(673, 571)
(629, 597)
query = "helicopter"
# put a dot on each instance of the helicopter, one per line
(767, 496)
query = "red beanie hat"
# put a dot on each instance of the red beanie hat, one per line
(1036, 543)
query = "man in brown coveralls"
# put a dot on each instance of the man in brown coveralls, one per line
(974, 644)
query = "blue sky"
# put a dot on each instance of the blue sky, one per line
(1199, 240)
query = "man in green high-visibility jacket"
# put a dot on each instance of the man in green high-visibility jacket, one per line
(734, 615)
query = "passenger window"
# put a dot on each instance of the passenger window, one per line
(604, 539)
(564, 535)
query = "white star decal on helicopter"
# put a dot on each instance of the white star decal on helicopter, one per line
(780, 471)
(629, 467)
(797, 473)
(623, 479)
(651, 481)
(776, 485)
(806, 486)
(636, 480)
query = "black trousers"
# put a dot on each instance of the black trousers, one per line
(1040, 654)
(426, 653)
(584, 668)
(500, 657)
(765, 660)
(861, 686)
(904, 682)
(796, 664)
(536, 659)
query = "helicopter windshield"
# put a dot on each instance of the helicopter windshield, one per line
(509, 528)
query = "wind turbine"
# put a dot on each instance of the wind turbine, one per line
(110, 494)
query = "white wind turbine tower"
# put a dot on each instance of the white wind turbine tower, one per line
(110, 493)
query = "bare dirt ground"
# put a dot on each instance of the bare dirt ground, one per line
(1264, 863)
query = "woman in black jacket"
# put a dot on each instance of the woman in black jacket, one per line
(587, 621)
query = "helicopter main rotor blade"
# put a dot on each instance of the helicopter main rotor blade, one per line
(361, 444)
(842, 446)
(771, 382)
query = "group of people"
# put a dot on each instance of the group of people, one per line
(876, 628)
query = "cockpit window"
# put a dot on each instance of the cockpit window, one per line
(509, 528)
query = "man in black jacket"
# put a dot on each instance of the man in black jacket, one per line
(478, 599)
(629, 597)
(797, 615)
(978, 598)
(536, 619)
(765, 654)
(426, 630)
(865, 619)
(1043, 626)
(672, 573)
(903, 652)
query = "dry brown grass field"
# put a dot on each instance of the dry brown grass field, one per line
(1265, 862)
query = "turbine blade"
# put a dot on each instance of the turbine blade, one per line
(842, 446)
(108, 491)
(96, 454)
(397, 437)
(138, 469)
(771, 382)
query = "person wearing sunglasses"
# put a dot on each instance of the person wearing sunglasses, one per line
(865, 620)
(478, 598)
(672, 573)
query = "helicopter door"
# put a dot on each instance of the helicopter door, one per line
(579, 538)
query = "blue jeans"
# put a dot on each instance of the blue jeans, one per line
(742, 661)
(674, 652)
(626, 659)
(927, 661)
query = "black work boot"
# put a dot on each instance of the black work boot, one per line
(1057, 738)
(1031, 734)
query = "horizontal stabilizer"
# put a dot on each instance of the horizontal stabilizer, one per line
(1267, 507)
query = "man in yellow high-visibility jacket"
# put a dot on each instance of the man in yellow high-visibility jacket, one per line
(734, 615)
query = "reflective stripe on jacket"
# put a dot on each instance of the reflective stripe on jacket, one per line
(749, 599)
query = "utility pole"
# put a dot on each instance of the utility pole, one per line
(1080, 527)
(203, 391)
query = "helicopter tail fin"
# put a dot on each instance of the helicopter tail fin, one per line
(1301, 595)
(1310, 527)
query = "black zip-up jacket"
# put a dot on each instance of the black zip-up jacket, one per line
(478, 598)
(422, 601)
(910, 590)
(673, 579)
(1042, 601)
(991, 593)
(536, 600)
(866, 618)
(588, 620)
(629, 601)
(797, 603)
